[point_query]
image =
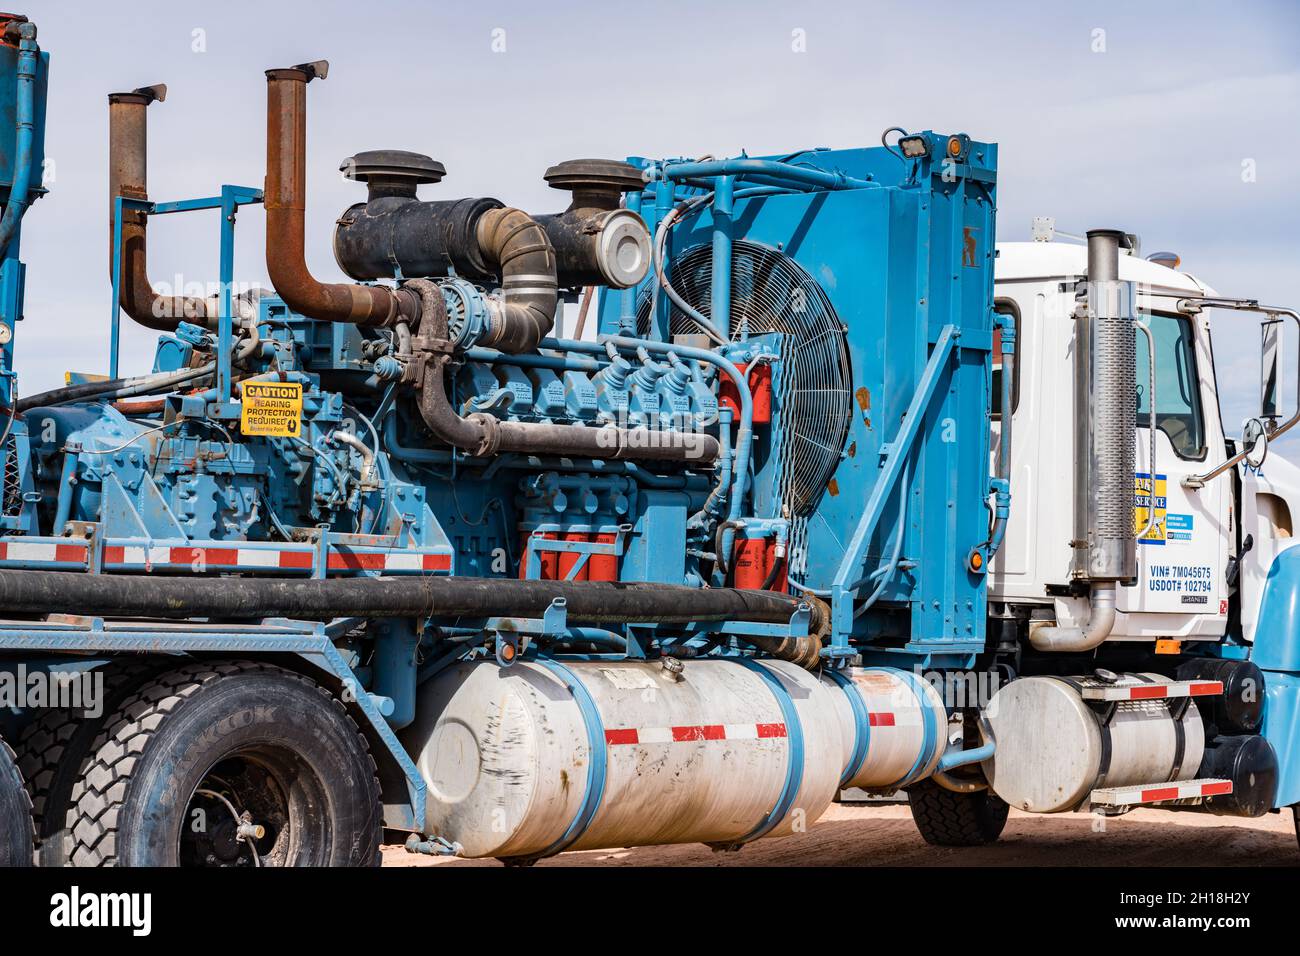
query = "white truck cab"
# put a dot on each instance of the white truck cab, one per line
(1110, 613)
(1187, 548)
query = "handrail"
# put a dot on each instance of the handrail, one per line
(1151, 423)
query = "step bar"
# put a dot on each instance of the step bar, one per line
(1160, 792)
(1122, 692)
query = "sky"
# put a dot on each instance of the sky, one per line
(1177, 121)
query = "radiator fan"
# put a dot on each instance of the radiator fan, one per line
(770, 292)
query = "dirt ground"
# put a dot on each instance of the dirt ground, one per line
(874, 834)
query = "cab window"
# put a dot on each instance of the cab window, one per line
(1178, 397)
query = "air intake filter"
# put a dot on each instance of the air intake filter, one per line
(770, 292)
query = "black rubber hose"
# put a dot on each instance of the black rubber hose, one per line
(114, 388)
(592, 602)
(777, 565)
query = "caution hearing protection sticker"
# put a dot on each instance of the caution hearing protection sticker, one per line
(271, 408)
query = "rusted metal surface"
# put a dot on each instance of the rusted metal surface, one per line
(286, 202)
(127, 176)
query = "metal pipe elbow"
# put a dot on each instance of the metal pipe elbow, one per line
(285, 200)
(128, 177)
(1101, 621)
(521, 250)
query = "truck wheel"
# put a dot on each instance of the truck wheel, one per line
(228, 764)
(53, 749)
(15, 813)
(956, 819)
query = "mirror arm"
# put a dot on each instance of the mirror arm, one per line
(1193, 306)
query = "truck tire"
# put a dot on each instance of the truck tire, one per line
(52, 751)
(946, 818)
(228, 764)
(16, 846)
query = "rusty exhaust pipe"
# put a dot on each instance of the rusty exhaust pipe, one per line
(286, 206)
(127, 176)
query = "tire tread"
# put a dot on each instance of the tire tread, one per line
(946, 818)
(98, 796)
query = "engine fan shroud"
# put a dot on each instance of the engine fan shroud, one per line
(771, 293)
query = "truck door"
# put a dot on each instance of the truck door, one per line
(1180, 591)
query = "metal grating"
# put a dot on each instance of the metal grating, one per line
(11, 497)
(770, 292)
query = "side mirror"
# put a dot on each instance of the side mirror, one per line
(1270, 356)
(1254, 443)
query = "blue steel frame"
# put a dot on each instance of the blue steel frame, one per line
(231, 198)
(845, 588)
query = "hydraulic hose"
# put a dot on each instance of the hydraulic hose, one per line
(589, 602)
(114, 388)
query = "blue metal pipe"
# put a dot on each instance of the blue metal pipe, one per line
(723, 196)
(395, 668)
(24, 136)
(961, 758)
(627, 298)
(556, 363)
(1002, 484)
(67, 485)
(766, 172)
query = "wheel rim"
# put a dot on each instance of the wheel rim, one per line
(260, 805)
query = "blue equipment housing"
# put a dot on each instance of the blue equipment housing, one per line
(836, 427)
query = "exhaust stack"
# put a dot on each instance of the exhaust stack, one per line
(127, 176)
(1105, 379)
(286, 205)
(1105, 546)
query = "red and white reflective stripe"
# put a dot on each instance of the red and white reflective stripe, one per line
(878, 719)
(1186, 688)
(692, 732)
(273, 559)
(37, 552)
(388, 561)
(1161, 792)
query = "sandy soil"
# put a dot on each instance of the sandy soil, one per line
(871, 835)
